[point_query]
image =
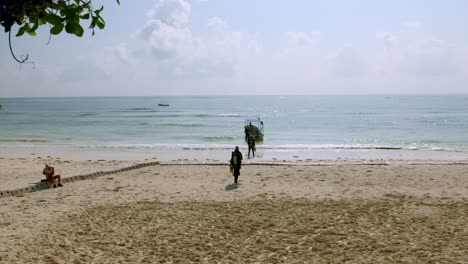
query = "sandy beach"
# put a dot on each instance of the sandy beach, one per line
(338, 211)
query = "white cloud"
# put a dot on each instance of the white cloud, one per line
(178, 53)
(464, 59)
(123, 54)
(171, 12)
(216, 23)
(89, 67)
(412, 52)
(83, 70)
(166, 41)
(413, 26)
(429, 57)
(302, 39)
(389, 39)
(346, 62)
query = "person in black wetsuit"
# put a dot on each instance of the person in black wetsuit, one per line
(236, 162)
(251, 143)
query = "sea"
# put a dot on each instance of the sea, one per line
(335, 126)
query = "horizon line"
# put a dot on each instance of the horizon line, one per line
(238, 95)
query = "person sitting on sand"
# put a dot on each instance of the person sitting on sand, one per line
(50, 177)
(236, 161)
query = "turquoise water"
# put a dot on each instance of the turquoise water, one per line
(433, 122)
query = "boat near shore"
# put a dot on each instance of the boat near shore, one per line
(253, 127)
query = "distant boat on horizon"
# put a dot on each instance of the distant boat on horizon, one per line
(163, 104)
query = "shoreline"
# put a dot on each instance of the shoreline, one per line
(79, 152)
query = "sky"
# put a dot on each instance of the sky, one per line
(249, 47)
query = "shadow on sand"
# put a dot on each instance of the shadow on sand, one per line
(231, 187)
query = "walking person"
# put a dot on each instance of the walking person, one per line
(236, 162)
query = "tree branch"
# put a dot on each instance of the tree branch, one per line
(23, 59)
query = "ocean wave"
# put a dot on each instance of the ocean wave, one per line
(153, 116)
(370, 147)
(143, 110)
(158, 146)
(172, 114)
(181, 125)
(23, 140)
(363, 113)
(229, 115)
(10, 113)
(138, 109)
(216, 115)
(217, 146)
(218, 138)
(331, 147)
(212, 145)
(364, 147)
(88, 114)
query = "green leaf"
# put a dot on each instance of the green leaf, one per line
(29, 30)
(31, 33)
(53, 19)
(118, 2)
(99, 10)
(85, 16)
(93, 24)
(58, 6)
(42, 21)
(55, 30)
(78, 30)
(21, 31)
(33, 29)
(100, 24)
(70, 28)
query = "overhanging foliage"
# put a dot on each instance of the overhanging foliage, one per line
(29, 15)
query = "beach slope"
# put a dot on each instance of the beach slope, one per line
(278, 214)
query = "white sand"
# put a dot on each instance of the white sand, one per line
(278, 214)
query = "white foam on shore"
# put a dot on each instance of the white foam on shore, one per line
(221, 153)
